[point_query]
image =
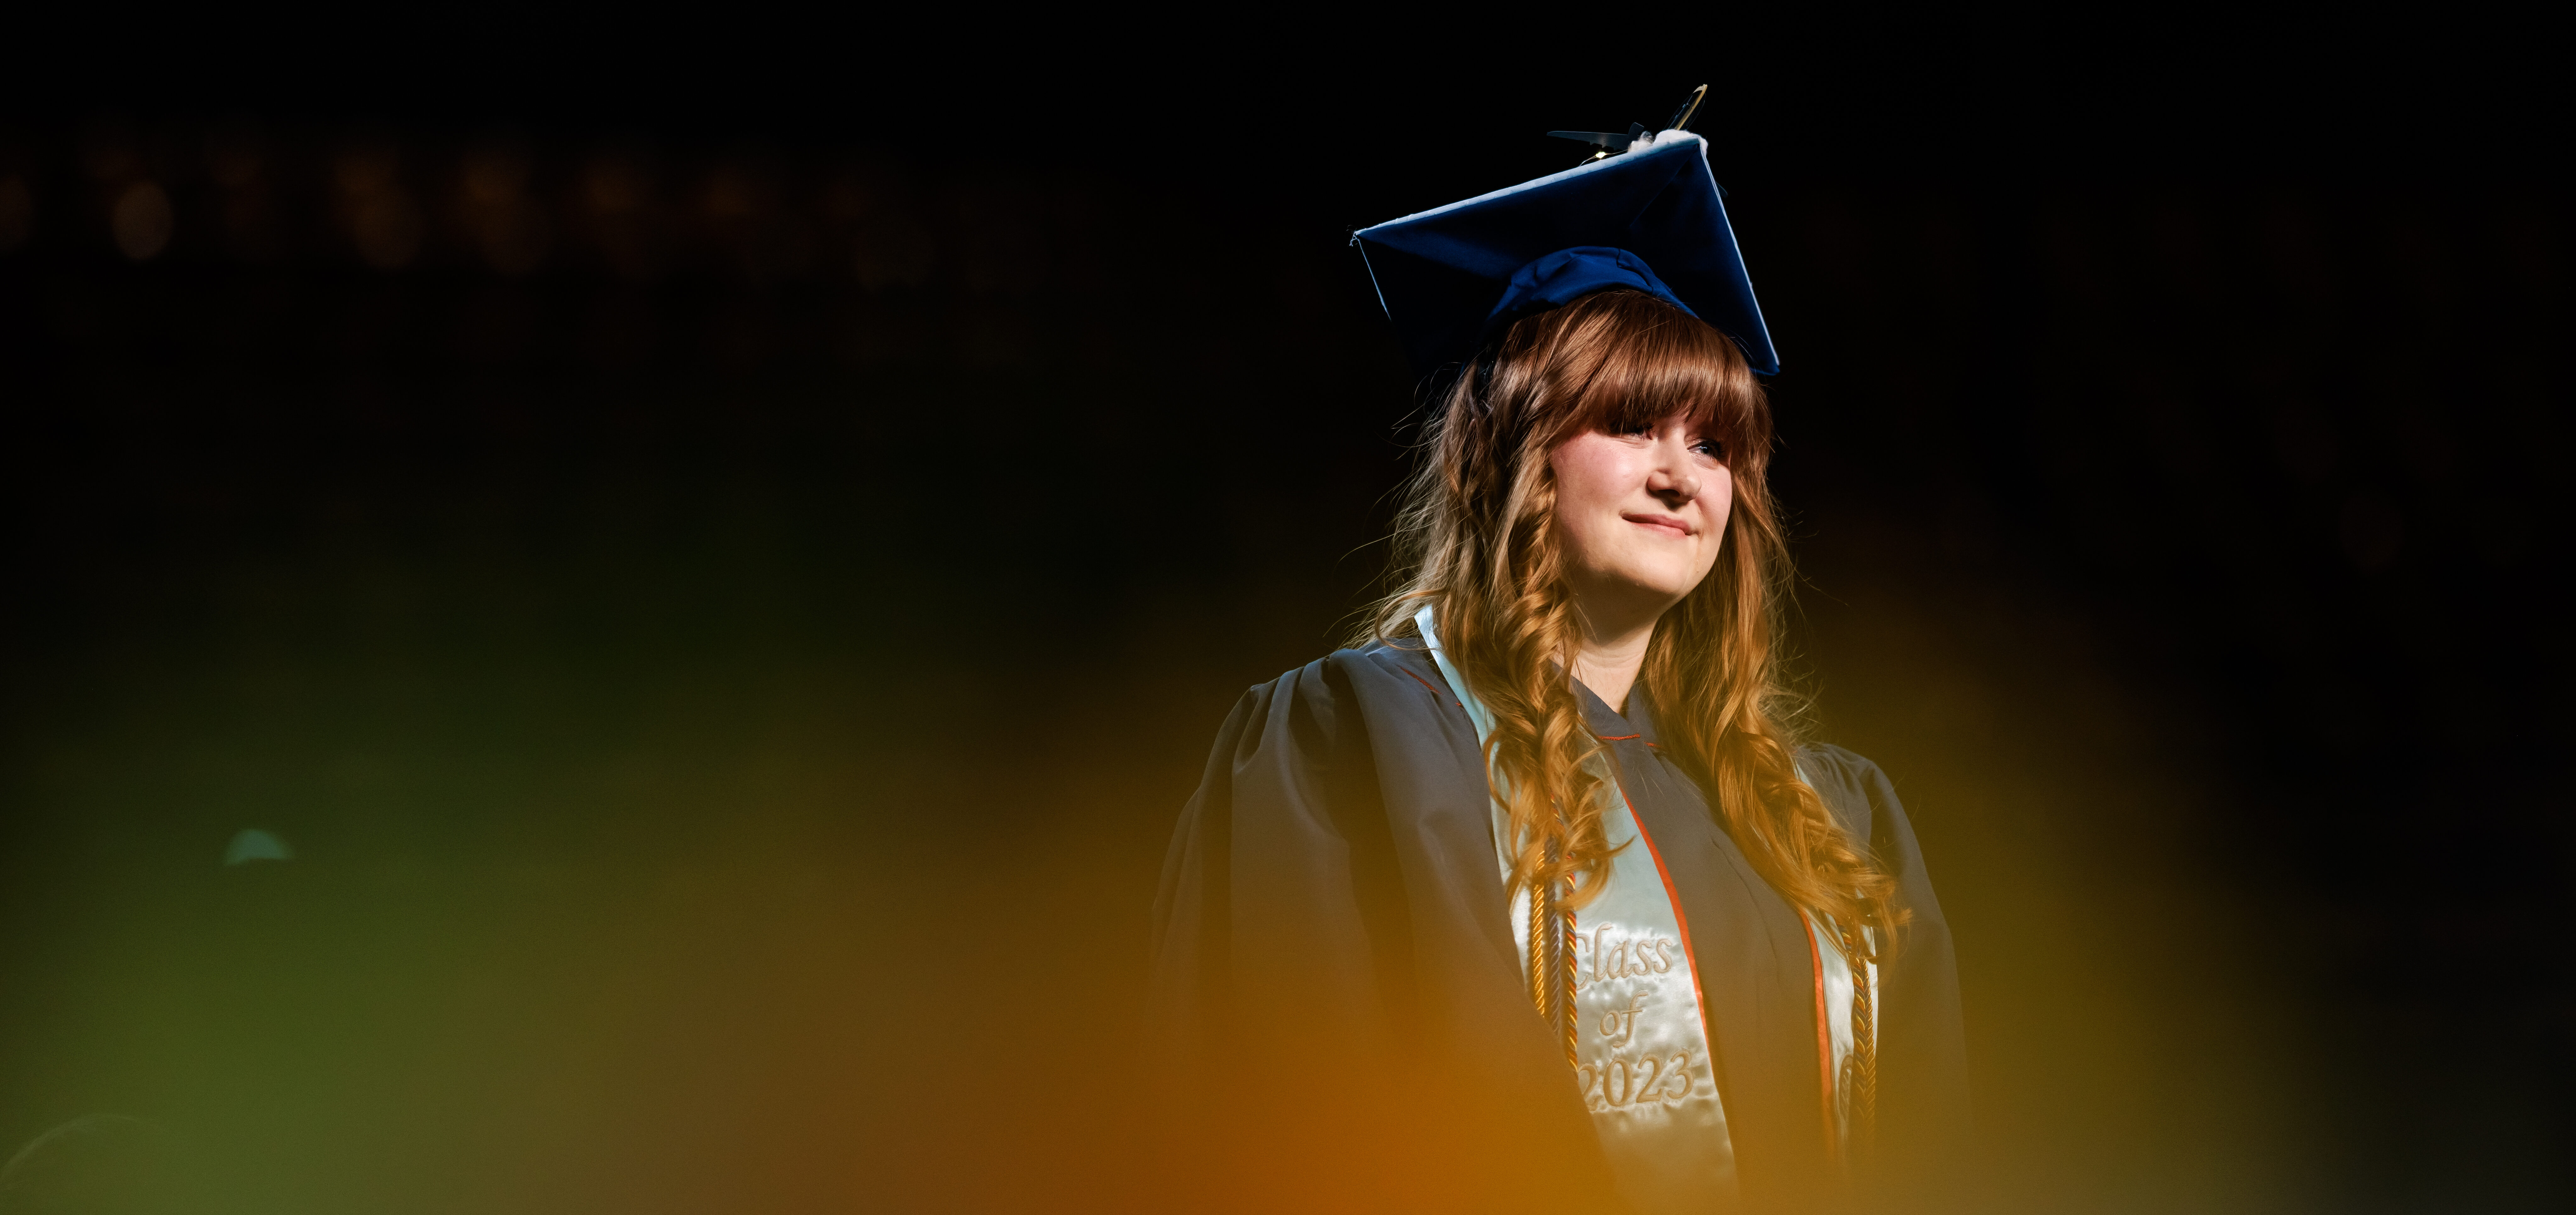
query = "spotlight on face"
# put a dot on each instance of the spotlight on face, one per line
(1642, 513)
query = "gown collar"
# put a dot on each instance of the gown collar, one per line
(1608, 724)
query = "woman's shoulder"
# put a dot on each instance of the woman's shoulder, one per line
(1323, 699)
(1864, 800)
(1853, 786)
(1338, 743)
(1838, 763)
(1355, 676)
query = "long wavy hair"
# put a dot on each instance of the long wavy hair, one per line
(1477, 539)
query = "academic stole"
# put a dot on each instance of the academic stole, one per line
(1621, 981)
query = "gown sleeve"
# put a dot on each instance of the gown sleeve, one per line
(1266, 1010)
(1923, 1111)
(1261, 869)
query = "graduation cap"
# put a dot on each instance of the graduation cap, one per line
(1643, 212)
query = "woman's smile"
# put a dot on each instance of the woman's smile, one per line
(1670, 525)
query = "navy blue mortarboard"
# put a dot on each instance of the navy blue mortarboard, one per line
(1649, 219)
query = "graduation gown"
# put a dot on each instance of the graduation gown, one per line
(1338, 1011)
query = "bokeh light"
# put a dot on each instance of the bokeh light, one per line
(384, 224)
(508, 226)
(142, 221)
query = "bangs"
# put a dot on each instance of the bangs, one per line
(1636, 360)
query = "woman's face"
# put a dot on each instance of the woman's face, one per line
(1641, 516)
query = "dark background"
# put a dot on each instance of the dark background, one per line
(721, 555)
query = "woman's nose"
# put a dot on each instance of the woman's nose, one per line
(1674, 481)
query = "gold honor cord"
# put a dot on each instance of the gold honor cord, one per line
(1552, 936)
(1565, 953)
(1847, 1012)
(1860, 1069)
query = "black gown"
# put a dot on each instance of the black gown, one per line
(1338, 997)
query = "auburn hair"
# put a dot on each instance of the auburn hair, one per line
(1476, 538)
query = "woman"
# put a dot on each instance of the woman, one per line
(1530, 899)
